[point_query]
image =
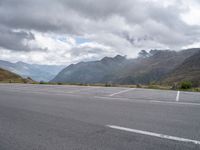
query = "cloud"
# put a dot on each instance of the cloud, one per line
(50, 29)
(15, 40)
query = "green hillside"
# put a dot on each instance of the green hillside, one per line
(9, 77)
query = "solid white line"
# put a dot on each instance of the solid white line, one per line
(177, 96)
(146, 101)
(162, 136)
(123, 91)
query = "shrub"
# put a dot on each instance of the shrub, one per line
(108, 85)
(153, 86)
(138, 86)
(42, 82)
(186, 85)
(25, 81)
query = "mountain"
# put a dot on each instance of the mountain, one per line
(189, 70)
(91, 72)
(7, 76)
(36, 72)
(153, 66)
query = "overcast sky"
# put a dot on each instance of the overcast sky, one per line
(69, 31)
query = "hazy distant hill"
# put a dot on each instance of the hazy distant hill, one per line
(91, 72)
(148, 67)
(7, 76)
(36, 72)
(189, 70)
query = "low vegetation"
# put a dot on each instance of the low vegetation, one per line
(185, 85)
(9, 77)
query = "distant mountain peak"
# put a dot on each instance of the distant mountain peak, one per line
(106, 58)
(36, 72)
(21, 63)
(117, 58)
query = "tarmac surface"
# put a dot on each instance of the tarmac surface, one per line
(61, 117)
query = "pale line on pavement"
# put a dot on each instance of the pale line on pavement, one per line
(85, 89)
(123, 91)
(148, 101)
(42, 91)
(177, 96)
(46, 91)
(162, 136)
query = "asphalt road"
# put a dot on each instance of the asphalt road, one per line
(46, 117)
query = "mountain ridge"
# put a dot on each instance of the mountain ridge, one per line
(35, 71)
(189, 70)
(152, 66)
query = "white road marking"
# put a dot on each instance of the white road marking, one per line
(85, 89)
(162, 136)
(46, 93)
(177, 96)
(145, 101)
(123, 91)
(106, 98)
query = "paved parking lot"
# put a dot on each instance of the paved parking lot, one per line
(87, 117)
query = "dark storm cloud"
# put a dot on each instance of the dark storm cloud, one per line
(99, 9)
(33, 14)
(15, 40)
(156, 22)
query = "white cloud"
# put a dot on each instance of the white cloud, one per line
(37, 32)
(192, 16)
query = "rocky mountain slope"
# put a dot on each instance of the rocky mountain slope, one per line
(153, 66)
(189, 70)
(92, 72)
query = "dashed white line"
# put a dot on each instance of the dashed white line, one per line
(162, 136)
(177, 96)
(145, 101)
(123, 91)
